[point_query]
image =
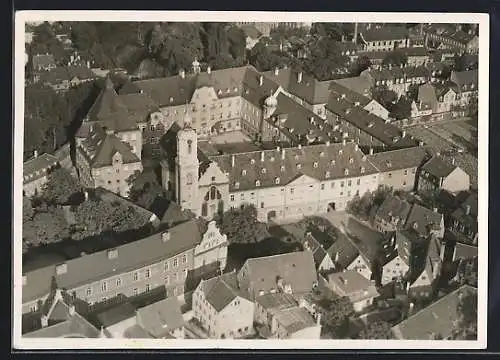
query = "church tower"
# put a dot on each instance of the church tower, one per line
(186, 168)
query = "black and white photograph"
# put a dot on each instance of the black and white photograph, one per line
(297, 178)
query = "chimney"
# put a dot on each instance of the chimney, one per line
(403, 133)
(299, 77)
(420, 143)
(182, 73)
(209, 70)
(390, 66)
(282, 154)
(327, 143)
(344, 142)
(414, 225)
(467, 209)
(35, 153)
(435, 209)
(371, 151)
(318, 318)
(232, 160)
(88, 64)
(165, 236)
(86, 195)
(410, 310)
(262, 156)
(299, 147)
(261, 80)
(336, 259)
(276, 71)
(45, 320)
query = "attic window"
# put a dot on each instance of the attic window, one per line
(236, 185)
(282, 168)
(257, 183)
(299, 166)
(271, 159)
(356, 103)
(296, 157)
(327, 175)
(351, 160)
(252, 161)
(112, 254)
(346, 172)
(321, 154)
(340, 152)
(315, 164)
(171, 99)
(333, 162)
(243, 172)
(362, 169)
(61, 269)
(277, 180)
(228, 90)
(389, 164)
(263, 170)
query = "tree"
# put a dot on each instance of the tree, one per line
(28, 212)
(263, 59)
(241, 225)
(60, 186)
(387, 98)
(376, 331)
(412, 92)
(336, 312)
(401, 109)
(95, 217)
(145, 193)
(380, 194)
(467, 272)
(361, 64)
(361, 206)
(466, 327)
(325, 59)
(46, 227)
(237, 42)
(45, 41)
(395, 58)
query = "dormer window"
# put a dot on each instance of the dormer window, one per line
(299, 166)
(112, 254)
(340, 152)
(277, 181)
(219, 92)
(362, 169)
(315, 164)
(332, 162)
(263, 170)
(171, 99)
(346, 172)
(257, 183)
(236, 185)
(235, 89)
(252, 161)
(327, 175)
(351, 160)
(389, 164)
(322, 154)
(296, 157)
(282, 168)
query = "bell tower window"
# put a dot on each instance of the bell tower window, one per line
(190, 146)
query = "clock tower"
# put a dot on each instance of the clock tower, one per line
(186, 168)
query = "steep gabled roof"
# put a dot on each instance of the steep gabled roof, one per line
(421, 219)
(386, 32)
(36, 167)
(161, 317)
(437, 167)
(393, 208)
(222, 290)
(400, 159)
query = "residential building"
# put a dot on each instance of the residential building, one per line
(425, 222)
(322, 259)
(398, 168)
(426, 271)
(280, 183)
(416, 56)
(397, 78)
(356, 287)
(434, 99)
(376, 57)
(438, 320)
(103, 160)
(464, 219)
(343, 253)
(162, 319)
(116, 320)
(281, 317)
(464, 252)
(63, 78)
(450, 36)
(224, 309)
(361, 85)
(391, 215)
(252, 35)
(467, 85)
(96, 275)
(395, 261)
(43, 62)
(35, 173)
(385, 38)
(293, 273)
(437, 174)
(58, 318)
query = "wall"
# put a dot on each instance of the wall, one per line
(403, 179)
(213, 248)
(394, 268)
(361, 266)
(114, 177)
(236, 316)
(117, 330)
(134, 139)
(362, 304)
(377, 109)
(311, 332)
(34, 187)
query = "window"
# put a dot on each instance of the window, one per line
(136, 276)
(104, 286)
(262, 205)
(341, 184)
(332, 185)
(277, 180)
(349, 182)
(291, 190)
(358, 182)
(322, 186)
(148, 287)
(184, 258)
(89, 291)
(232, 197)
(389, 175)
(204, 209)
(118, 282)
(135, 291)
(257, 183)
(148, 273)
(167, 280)
(175, 262)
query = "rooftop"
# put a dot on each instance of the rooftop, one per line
(350, 283)
(36, 167)
(437, 167)
(422, 219)
(387, 32)
(295, 319)
(393, 210)
(400, 159)
(222, 290)
(161, 317)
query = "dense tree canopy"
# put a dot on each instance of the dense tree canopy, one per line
(467, 272)
(335, 314)
(47, 226)
(395, 58)
(242, 227)
(466, 328)
(376, 331)
(60, 186)
(263, 59)
(361, 206)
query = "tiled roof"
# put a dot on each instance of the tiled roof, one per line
(100, 147)
(110, 110)
(296, 269)
(423, 218)
(438, 168)
(221, 290)
(320, 162)
(346, 251)
(136, 332)
(465, 80)
(139, 106)
(295, 319)
(359, 84)
(308, 89)
(437, 318)
(36, 168)
(373, 55)
(415, 51)
(351, 283)
(76, 326)
(276, 301)
(366, 240)
(337, 89)
(316, 248)
(387, 32)
(43, 60)
(398, 72)
(94, 266)
(403, 242)
(161, 317)
(116, 314)
(465, 251)
(111, 197)
(471, 204)
(393, 207)
(398, 159)
(427, 94)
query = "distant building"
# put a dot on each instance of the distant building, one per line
(360, 291)
(391, 215)
(425, 222)
(436, 175)
(395, 260)
(451, 36)
(385, 38)
(224, 309)
(43, 62)
(438, 320)
(35, 173)
(467, 85)
(426, 272)
(464, 219)
(252, 35)
(322, 259)
(63, 78)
